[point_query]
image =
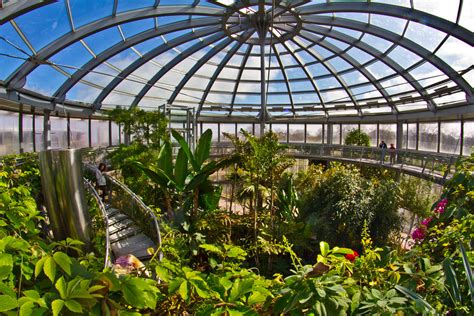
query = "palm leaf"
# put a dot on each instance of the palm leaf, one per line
(165, 159)
(181, 168)
(451, 280)
(415, 297)
(184, 145)
(158, 176)
(203, 148)
(207, 170)
(467, 268)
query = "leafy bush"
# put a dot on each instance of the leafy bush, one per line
(356, 137)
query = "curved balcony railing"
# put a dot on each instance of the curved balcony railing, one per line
(437, 167)
(122, 198)
(89, 187)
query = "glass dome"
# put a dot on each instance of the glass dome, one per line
(242, 60)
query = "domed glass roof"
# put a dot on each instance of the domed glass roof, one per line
(249, 60)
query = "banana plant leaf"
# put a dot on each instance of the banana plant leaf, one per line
(203, 148)
(184, 145)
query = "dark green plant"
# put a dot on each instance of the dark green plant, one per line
(357, 137)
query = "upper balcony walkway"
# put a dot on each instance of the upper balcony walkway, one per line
(436, 167)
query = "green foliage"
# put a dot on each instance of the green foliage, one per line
(146, 127)
(356, 137)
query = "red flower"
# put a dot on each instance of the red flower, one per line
(352, 256)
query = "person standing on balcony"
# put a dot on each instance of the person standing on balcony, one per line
(383, 147)
(392, 152)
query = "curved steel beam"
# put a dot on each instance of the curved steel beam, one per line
(372, 51)
(150, 55)
(16, 78)
(395, 11)
(188, 52)
(23, 6)
(334, 72)
(402, 41)
(121, 46)
(216, 73)
(285, 76)
(239, 76)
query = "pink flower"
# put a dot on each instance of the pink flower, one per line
(426, 221)
(418, 234)
(441, 206)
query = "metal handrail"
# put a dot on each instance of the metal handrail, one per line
(102, 208)
(140, 203)
(142, 206)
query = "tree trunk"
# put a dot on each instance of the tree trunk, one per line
(195, 204)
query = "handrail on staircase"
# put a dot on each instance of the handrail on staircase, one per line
(90, 188)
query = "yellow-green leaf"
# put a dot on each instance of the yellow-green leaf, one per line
(50, 268)
(73, 306)
(63, 261)
(57, 306)
(7, 303)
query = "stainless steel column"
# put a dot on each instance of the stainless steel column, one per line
(61, 176)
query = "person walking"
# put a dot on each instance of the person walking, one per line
(383, 147)
(392, 152)
(101, 181)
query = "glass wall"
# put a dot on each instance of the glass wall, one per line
(371, 131)
(115, 132)
(450, 137)
(411, 136)
(79, 133)
(214, 128)
(245, 127)
(281, 131)
(296, 133)
(428, 136)
(314, 133)
(28, 134)
(58, 132)
(99, 133)
(346, 128)
(388, 134)
(336, 134)
(9, 142)
(468, 138)
(39, 140)
(227, 128)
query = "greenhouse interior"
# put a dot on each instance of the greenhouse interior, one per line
(236, 157)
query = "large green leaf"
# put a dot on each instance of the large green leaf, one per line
(203, 148)
(165, 159)
(181, 168)
(468, 269)
(6, 265)
(184, 145)
(158, 176)
(415, 297)
(451, 280)
(207, 170)
(7, 303)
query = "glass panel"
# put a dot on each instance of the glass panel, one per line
(27, 139)
(45, 24)
(39, 144)
(9, 133)
(214, 128)
(314, 133)
(7, 65)
(336, 134)
(296, 133)
(346, 128)
(115, 134)
(388, 133)
(58, 132)
(84, 12)
(450, 137)
(428, 136)
(280, 130)
(246, 127)
(79, 133)
(227, 128)
(99, 133)
(411, 136)
(468, 144)
(371, 130)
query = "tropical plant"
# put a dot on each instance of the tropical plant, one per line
(186, 181)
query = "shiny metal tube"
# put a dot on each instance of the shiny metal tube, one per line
(61, 173)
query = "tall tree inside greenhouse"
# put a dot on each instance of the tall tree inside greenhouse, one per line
(357, 138)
